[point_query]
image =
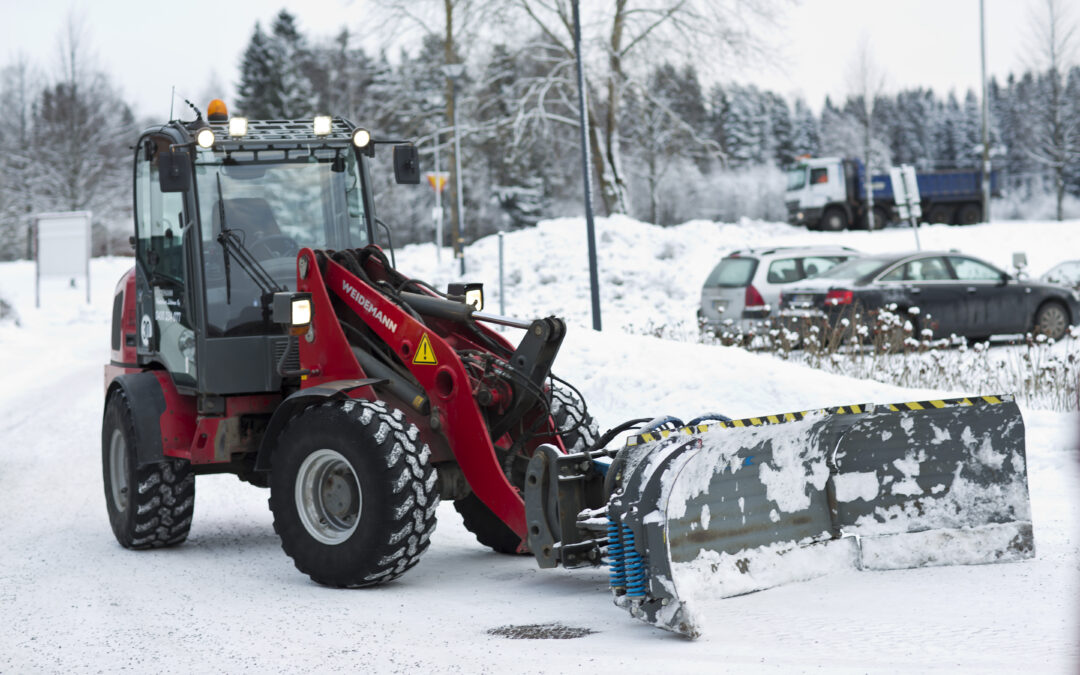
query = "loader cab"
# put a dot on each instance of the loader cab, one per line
(277, 189)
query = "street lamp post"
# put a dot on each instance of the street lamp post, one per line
(453, 72)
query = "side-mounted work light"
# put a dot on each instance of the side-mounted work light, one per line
(293, 310)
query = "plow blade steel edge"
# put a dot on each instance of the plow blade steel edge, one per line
(745, 506)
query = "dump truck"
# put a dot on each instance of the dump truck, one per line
(262, 332)
(829, 193)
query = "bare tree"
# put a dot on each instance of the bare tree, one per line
(459, 22)
(1053, 45)
(17, 168)
(82, 131)
(866, 82)
(628, 32)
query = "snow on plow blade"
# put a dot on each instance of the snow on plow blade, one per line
(741, 506)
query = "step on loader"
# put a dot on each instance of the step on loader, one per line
(262, 332)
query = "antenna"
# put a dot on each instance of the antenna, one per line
(172, 98)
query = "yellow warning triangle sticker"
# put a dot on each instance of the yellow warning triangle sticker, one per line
(425, 355)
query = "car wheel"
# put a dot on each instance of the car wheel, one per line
(1052, 320)
(834, 220)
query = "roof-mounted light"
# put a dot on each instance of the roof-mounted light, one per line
(361, 138)
(237, 126)
(205, 137)
(216, 111)
(322, 125)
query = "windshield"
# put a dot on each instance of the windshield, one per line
(854, 269)
(275, 206)
(796, 178)
(732, 273)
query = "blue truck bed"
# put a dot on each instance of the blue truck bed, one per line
(939, 186)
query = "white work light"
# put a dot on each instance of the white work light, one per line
(322, 125)
(237, 126)
(205, 138)
(361, 138)
(301, 311)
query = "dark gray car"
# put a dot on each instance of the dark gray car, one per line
(947, 291)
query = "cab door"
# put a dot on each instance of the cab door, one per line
(165, 303)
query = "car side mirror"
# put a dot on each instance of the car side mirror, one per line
(406, 164)
(174, 171)
(1005, 278)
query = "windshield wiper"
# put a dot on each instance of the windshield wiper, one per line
(233, 246)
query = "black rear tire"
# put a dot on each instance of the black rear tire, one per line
(149, 506)
(940, 213)
(578, 431)
(352, 493)
(969, 214)
(881, 219)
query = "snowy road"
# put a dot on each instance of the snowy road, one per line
(229, 600)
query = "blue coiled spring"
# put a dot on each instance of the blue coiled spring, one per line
(616, 563)
(636, 579)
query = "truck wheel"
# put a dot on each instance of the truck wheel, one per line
(881, 218)
(969, 214)
(1052, 320)
(149, 506)
(578, 431)
(352, 493)
(834, 220)
(940, 213)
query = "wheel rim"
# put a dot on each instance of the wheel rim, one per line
(1052, 322)
(328, 497)
(118, 486)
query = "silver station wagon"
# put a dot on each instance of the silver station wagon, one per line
(743, 290)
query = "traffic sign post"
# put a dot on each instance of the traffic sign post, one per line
(437, 180)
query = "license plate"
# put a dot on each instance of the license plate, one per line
(803, 299)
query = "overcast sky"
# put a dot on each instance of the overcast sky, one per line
(148, 47)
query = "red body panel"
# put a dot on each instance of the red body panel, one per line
(445, 381)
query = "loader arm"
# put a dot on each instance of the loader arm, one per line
(428, 350)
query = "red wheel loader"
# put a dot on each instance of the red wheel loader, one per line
(263, 333)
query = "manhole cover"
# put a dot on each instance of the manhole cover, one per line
(541, 631)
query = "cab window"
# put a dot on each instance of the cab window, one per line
(819, 176)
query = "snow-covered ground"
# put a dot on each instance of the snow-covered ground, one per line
(230, 600)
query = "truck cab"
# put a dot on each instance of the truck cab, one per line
(820, 193)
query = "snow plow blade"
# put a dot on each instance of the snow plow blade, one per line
(736, 507)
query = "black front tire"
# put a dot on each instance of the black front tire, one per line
(352, 493)
(578, 431)
(834, 220)
(149, 506)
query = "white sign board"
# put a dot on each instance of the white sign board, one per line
(62, 247)
(906, 191)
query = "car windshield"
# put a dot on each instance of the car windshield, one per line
(854, 269)
(796, 178)
(1066, 273)
(732, 273)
